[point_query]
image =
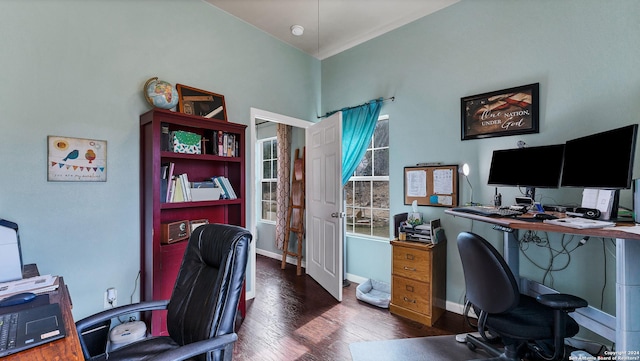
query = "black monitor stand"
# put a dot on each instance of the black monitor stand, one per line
(531, 193)
(616, 202)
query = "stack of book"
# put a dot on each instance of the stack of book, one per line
(227, 144)
(177, 188)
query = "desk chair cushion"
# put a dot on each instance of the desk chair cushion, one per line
(534, 320)
(140, 350)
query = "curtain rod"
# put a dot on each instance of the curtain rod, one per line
(347, 108)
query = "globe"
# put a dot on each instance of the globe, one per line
(160, 93)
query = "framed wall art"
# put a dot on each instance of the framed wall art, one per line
(500, 113)
(201, 102)
(76, 160)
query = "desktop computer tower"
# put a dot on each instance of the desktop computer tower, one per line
(10, 256)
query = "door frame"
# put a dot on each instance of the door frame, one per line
(255, 116)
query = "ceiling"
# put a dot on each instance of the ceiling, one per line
(330, 26)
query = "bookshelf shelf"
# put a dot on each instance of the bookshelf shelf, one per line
(203, 157)
(192, 204)
(160, 262)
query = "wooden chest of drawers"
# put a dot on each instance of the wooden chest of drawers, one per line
(418, 280)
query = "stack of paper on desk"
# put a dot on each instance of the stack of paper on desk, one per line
(39, 284)
(580, 223)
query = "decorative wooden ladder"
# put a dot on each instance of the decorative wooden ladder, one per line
(295, 213)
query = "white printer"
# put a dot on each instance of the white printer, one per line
(10, 256)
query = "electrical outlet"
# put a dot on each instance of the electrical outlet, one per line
(110, 298)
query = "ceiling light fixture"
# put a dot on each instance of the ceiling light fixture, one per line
(297, 30)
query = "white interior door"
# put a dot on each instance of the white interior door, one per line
(324, 204)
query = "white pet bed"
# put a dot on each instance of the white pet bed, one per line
(374, 292)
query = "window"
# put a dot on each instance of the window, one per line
(367, 192)
(269, 178)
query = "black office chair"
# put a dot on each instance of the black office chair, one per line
(203, 306)
(522, 323)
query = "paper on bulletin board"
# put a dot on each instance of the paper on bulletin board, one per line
(443, 181)
(417, 183)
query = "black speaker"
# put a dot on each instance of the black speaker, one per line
(590, 213)
(636, 200)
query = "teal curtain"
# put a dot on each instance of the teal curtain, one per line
(358, 124)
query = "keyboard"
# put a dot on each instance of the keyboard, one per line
(488, 211)
(8, 331)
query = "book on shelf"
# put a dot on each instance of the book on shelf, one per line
(220, 142)
(186, 188)
(231, 190)
(178, 193)
(227, 189)
(164, 182)
(223, 192)
(227, 144)
(170, 182)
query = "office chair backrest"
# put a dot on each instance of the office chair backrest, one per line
(205, 297)
(490, 283)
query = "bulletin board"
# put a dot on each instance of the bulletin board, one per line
(431, 185)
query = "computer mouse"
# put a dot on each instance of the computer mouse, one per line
(544, 216)
(17, 299)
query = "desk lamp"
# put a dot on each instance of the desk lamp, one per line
(465, 172)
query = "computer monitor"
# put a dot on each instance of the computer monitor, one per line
(603, 160)
(531, 167)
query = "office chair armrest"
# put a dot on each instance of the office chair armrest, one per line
(120, 310)
(562, 304)
(105, 315)
(223, 342)
(562, 301)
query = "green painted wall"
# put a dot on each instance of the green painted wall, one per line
(76, 68)
(582, 52)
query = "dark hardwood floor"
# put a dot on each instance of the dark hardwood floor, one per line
(293, 318)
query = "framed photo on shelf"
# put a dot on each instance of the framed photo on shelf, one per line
(501, 113)
(201, 102)
(76, 159)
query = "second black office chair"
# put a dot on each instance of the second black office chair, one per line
(202, 310)
(523, 324)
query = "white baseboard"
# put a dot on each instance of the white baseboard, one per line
(278, 256)
(355, 279)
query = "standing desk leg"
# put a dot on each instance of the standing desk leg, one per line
(511, 253)
(627, 295)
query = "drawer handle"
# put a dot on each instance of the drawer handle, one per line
(409, 300)
(409, 268)
(410, 256)
(409, 288)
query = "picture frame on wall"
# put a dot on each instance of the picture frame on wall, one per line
(201, 102)
(76, 159)
(499, 113)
